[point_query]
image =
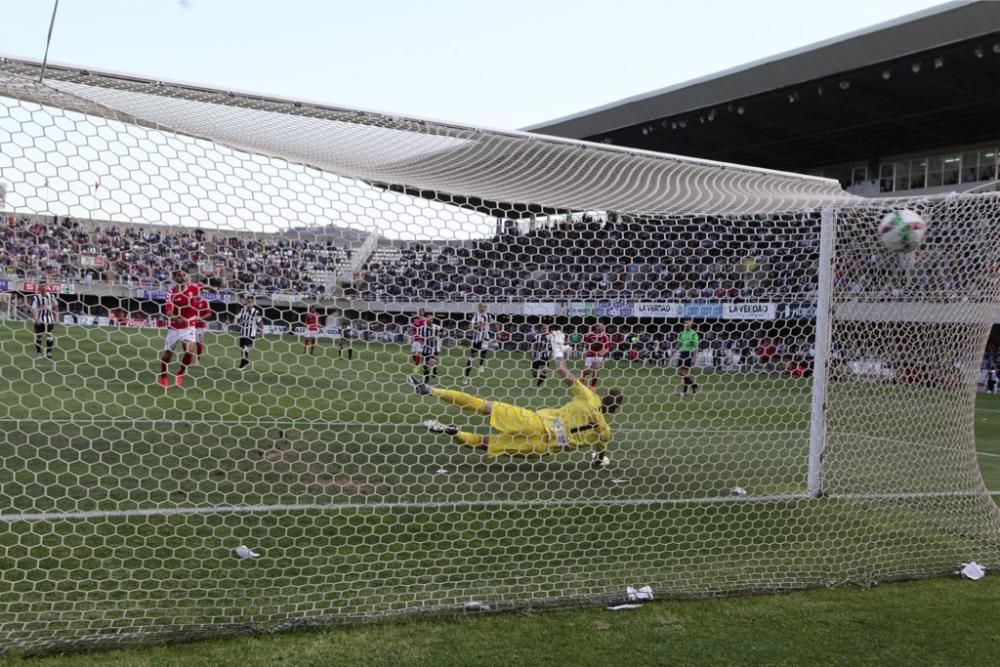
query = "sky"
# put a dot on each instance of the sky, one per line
(491, 63)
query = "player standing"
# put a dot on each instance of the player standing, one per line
(416, 345)
(250, 321)
(541, 353)
(44, 308)
(180, 313)
(687, 343)
(481, 326)
(430, 346)
(596, 345)
(346, 339)
(311, 321)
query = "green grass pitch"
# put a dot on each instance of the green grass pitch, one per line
(365, 523)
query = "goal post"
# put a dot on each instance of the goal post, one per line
(824, 306)
(346, 406)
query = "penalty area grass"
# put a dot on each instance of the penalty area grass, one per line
(934, 622)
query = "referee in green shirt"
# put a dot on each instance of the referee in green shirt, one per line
(687, 342)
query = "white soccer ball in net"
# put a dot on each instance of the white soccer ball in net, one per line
(902, 230)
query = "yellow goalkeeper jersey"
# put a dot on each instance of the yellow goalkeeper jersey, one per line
(581, 421)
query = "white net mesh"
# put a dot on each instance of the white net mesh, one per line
(789, 436)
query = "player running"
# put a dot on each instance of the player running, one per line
(250, 320)
(596, 345)
(522, 432)
(200, 323)
(416, 345)
(481, 327)
(687, 343)
(311, 321)
(180, 313)
(44, 308)
(541, 354)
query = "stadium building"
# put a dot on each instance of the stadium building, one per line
(907, 107)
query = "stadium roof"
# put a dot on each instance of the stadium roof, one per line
(468, 166)
(856, 96)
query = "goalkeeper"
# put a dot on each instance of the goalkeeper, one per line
(522, 432)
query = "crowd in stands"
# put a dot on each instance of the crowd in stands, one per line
(64, 249)
(611, 257)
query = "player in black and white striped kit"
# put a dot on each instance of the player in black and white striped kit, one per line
(250, 321)
(44, 308)
(541, 354)
(481, 327)
(430, 334)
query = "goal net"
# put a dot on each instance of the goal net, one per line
(796, 402)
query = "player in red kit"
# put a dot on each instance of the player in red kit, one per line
(417, 344)
(180, 313)
(596, 345)
(200, 323)
(311, 320)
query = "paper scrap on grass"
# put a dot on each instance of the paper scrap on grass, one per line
(644, 593)
(442, 471)
(619, 481)
(244, 553)
(973, 571)
(739, 491)
(622, 607)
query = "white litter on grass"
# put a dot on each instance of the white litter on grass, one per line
(739, 491)
(973, 571)
(476, 606)
(243, 553)
(441, 471)
(622, 607)
(644, 593)
(619, 481)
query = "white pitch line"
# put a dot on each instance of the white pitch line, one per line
(307, 507)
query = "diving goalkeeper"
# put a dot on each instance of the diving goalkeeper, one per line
(522, 432)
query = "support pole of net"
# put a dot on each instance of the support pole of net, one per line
(821, 360)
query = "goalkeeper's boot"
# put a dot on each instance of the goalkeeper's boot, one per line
(419, 385)
(435, 426)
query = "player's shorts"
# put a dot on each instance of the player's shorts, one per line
(479, 346)
(593, 362)
(686, 360)
(175, 336)
(311, 333)
(430, 352)
(44, 328)
(199, 334)
(416, 347)
(246, 342)
(522, 432)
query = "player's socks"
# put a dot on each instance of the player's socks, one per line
(50, 343)
(468, 368)
(350, 353)
(38, 348)
(593, 383)
(461, 399)
(244, 363)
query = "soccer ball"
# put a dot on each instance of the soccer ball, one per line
(599, 460)
(902, 231)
